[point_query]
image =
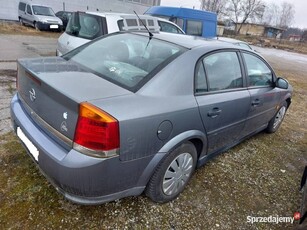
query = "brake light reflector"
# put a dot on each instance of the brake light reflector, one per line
(96, 130)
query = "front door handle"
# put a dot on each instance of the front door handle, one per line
(255, 102)
(214, 112)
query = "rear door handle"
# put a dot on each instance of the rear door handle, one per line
(214, 112)
(255, 102)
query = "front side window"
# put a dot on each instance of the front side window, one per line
(194, 27)
(177, 21)
(259, 74)
(29, 11)
(43, 10)
(223, 71)
(167, 27)
(85, 26)
(127, 60)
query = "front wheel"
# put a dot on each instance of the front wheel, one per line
(172, 174)
(21, 22)
(36, 26)
(276, 121)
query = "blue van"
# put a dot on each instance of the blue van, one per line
(193, 22)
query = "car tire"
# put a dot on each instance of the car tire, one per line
(36, 26)
(276, 121)
(172, 174)
(21, 22)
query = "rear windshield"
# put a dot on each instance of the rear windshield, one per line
(128, 60)
(86, 26)
(43, 10)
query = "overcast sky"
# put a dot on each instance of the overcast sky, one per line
(300, 19)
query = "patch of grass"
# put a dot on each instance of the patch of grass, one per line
(283, 44)
(7, 27)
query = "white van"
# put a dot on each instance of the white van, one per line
(38, 16)
(86, 26)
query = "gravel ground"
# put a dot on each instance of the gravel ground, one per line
(7, 88)
(259, 177)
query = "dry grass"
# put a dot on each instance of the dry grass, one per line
(15, 28)
(298, 47)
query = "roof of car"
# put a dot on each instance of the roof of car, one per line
(104, 14)
(190, 42)
(232, 40)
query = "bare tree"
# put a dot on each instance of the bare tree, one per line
(271, 14)
(216, 6)
(304, 36)
(279, 15)
(240, 11)
(286, 14)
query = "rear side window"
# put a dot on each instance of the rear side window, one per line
(223, 71)
(120, 24)
(85, 26)
(200, 78)
(259, 74)
(22, 6)
(194, 27)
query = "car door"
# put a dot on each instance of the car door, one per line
(29, 15)
(265, 96)
(222, 98)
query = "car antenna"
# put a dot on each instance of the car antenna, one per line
(150, 34)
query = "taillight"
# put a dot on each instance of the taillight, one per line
(97, 132)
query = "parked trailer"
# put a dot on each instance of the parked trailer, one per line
(193, 22)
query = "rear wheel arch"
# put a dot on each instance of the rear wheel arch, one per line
(196, 137)
(199, 145)
(172, 173)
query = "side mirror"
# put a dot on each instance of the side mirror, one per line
(281, 83)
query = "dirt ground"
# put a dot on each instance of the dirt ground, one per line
(259, 178)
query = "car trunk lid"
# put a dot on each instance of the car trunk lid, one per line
(53, 88)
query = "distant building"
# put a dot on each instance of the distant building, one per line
(8, 9)
(294, 38)
(259, 30)
(273, 32)
(193, 22)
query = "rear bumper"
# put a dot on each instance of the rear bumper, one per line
(80, 178)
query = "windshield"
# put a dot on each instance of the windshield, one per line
(43, 10)
(128, 60)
